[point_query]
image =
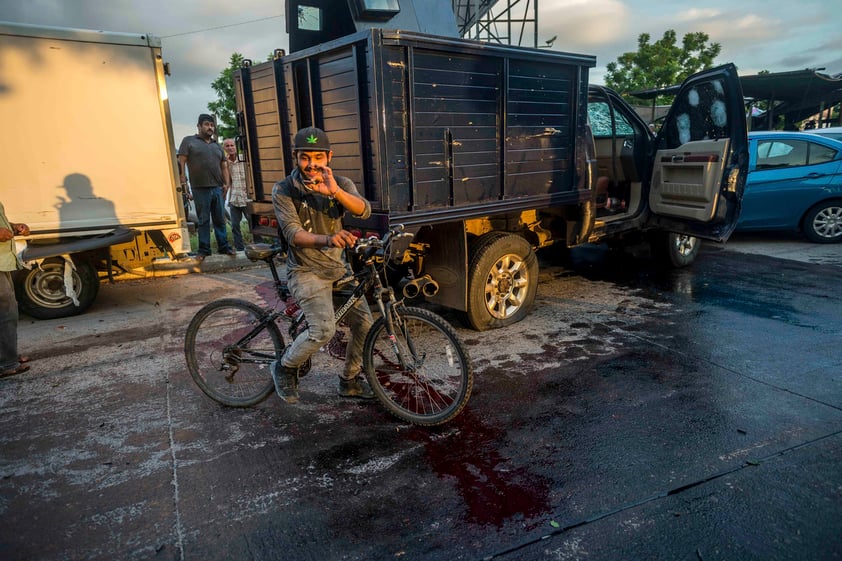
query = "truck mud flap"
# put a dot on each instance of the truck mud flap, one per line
(117, 236)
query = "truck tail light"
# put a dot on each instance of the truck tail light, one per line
(268, 222)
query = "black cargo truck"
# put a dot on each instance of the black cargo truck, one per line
(488, 152)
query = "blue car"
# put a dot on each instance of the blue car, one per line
(794, 183)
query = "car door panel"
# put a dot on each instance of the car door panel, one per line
(686, 180)
(701, 161)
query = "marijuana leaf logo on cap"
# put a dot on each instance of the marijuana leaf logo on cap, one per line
(312, 139)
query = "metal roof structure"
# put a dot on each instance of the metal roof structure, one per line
(505, 22)
(508, 22)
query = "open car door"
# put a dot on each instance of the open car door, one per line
(701, 157)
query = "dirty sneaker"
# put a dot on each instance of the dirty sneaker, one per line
(286, 382)
(355, 387)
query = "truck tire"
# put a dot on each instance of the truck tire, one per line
(40, 290)
(675, 250)
(502, 281)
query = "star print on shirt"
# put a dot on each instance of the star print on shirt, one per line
(308, 225)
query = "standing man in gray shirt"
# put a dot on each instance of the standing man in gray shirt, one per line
(209, 181)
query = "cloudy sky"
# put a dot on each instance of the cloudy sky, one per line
(199, 36)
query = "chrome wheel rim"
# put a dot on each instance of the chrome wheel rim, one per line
(828, 223)
(685, 244)
(45, 286)
(506, 286)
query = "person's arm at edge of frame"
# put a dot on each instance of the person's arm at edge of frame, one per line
(226, 175)
(182, 176)
(18, 229)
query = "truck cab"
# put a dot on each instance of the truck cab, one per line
(683, 184)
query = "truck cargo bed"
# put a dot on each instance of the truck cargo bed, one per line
(431, 129)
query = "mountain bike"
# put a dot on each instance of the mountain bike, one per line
(417, 366)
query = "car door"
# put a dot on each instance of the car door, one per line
(701, 157)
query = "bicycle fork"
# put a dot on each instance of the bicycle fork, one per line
(394, 325)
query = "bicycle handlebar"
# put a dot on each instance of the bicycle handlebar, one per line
(372, 242)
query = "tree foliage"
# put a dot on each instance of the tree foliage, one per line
(662, 63)
(225, 107)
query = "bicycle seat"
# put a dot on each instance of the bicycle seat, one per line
(262, 251)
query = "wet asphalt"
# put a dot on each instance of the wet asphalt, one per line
(638, 413)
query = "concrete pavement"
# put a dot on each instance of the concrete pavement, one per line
(784, 245)
(636, 414)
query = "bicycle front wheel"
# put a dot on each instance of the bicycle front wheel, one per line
(229, 349)
(423, 375)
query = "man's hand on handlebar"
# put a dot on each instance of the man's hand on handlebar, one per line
(346, 239)
(343, 238)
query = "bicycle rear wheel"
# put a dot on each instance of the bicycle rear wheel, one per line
(229, 351)
(425, 377)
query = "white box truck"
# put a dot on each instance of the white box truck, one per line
(90, 161)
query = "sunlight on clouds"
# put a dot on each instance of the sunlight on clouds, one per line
(584, 22)
(696, 14)
(751, 21)
(742, 30)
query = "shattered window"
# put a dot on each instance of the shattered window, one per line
(700, 114)
(599, 115)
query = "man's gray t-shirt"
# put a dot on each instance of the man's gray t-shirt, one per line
(203, 161)
(296, 209)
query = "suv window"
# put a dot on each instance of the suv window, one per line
(791, 153)
(700, 113)
(599, 115)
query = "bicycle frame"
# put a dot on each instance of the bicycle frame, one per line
(243, 342)
(367, 279)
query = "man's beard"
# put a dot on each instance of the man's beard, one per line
(310, 169)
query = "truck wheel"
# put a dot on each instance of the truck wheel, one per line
(502, 281)
(40, 291)
(675, 250)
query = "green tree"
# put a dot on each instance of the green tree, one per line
(662, 63)
(225, 107)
